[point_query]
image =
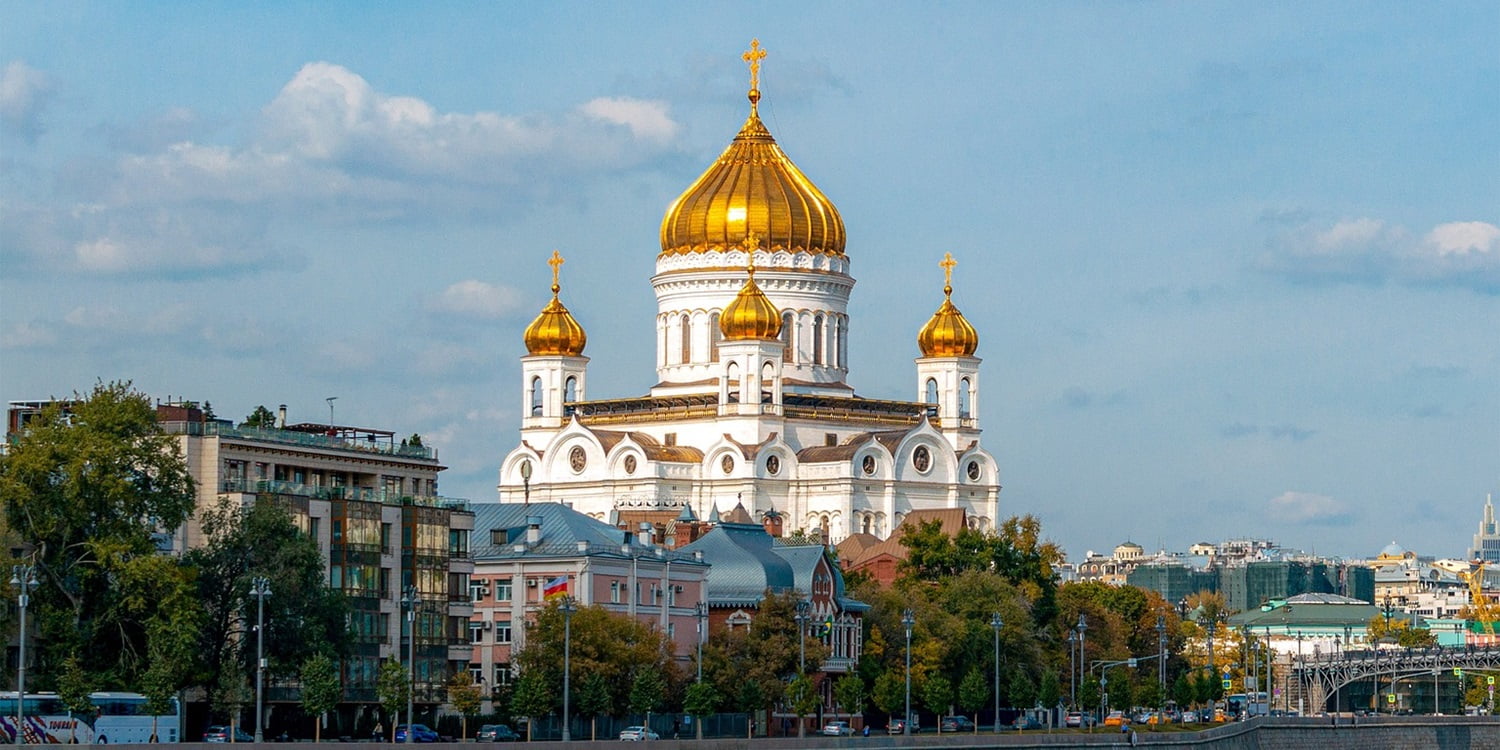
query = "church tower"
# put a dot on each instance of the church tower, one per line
(948, 371)
(554, 371)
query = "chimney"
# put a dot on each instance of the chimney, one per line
(281, 417)
(583, 546)
(533, 529)
(647, 531)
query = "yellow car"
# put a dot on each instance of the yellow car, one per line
(1116, 719)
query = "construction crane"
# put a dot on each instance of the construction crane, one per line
(1481, 612)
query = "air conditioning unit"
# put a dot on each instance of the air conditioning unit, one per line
(488, 625)
(530, 583)
(679, 589)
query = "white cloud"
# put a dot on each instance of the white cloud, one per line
(27, 335)
(24, 93)
(476, 299)
(646, 119)
(1463, 254)
(1307, 507)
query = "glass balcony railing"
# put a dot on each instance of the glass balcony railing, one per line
(324, 492)
(304, 439)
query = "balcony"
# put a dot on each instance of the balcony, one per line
(301, 439)
(324, 492)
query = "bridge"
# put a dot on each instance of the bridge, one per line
(1320, 678)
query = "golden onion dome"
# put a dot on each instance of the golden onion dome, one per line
(555, 332)
(948, 333)
(753, 187)
(750, 315)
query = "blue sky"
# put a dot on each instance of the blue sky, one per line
(1235, 268)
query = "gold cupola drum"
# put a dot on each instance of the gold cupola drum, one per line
(753, 187)
(555, 332)
(948, 333)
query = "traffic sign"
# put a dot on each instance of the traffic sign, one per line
(1489, 679)
(1227, 684)
(1390, 698)
(1458, 672)
(1130, 662)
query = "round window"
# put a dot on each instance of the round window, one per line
(973, 471)
(727, 463)
(577, 459)
(630, 464)
(869, 464)
(921, 458)
(773, 465)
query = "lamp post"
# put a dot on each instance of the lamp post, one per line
(526, 496)
(567, 608)
(411, 601)
(1213, 668)
(1072, 668)
(23, 577)
(1082, 627)
(802, 618)
(907, 620)
(997, 623)
(702, 612)
(1161, 656)
(260, 588)
(1435, 673)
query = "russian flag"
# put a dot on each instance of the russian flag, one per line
(555, 587)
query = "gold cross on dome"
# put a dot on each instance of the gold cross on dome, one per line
(948, 263)
(751, 244)
(753, 56)
(556, 262)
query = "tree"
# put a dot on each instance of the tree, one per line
(1089, 692)
(1148, 693)
(464, 696)
(594, 699)
(1402, 631)
(766, 653)
(647, 689)
(415, 440)
(937, 693)
(303, 616)
(701, 700)
(393, 688)
(73, 690)
(231, 693)
(1050, 692)
(1183, 692)
(261, 418)
(89, 483)
(1022, 692)
(890, 693)
(849, 692)
(321, 690)
(973, 693)
(804, 698)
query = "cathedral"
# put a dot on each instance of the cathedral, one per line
(752, 406)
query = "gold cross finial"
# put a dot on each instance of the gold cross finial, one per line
(948, 263)
(556, 262)
(751, 244)
(753, 56)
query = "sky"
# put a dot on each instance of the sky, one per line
(1235, 266)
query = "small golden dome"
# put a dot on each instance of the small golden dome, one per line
(554, 332)
(948, 333)
(750, 315)
(753, 187)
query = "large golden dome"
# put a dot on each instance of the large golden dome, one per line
(555, 332)
(948, 333)
(753, 187)
(750, 315)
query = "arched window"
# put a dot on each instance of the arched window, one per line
(866, 526)
(732, 381)
(687, 338)
(965, 394)
(817, 342)
(932, 391)
(767, 382)
(570, 390)
(786, 337)
(536, 397)
(714, 337)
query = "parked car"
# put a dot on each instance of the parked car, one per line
(956, 724)
(496, 733)
(1073, 719)
(218, 733)
(1026, 721)
(1190, 717)
(638, 734)
(419, 733)
(1116, 719)
(897, 726)
(838, 729)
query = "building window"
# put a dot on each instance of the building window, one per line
(732, 382)
(536, 397)
(786, 337)
(685, 323)
(570, 390)
(502, 632)
(502, 673)
(714, 336)
(614, 592)
(817, 342)
(965, 394)
(502, 590)
(476, 632)
(843, 342)
(932, 391)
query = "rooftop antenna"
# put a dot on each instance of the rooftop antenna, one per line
(330, 401)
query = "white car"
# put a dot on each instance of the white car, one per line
(637, 734)
(838, 729)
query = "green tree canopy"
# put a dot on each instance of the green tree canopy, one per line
(613, 646)
(261, 418)
(321, 689)
(88, 483)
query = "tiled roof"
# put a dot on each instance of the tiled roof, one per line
(744, 564)
(951, 520)
(562, 528)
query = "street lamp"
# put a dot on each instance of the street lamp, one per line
(1161, 658)
(567, 608)
(907, 620)
(1072, 668)
(410, 601)
(260, 588)
(802, 619)
(702, 612)
(1209, 623)
(1082, 627)
(996, 623)
(24, 578)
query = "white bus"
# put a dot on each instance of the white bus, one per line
(117, 718)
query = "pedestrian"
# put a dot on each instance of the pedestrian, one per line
(867, 730)
(379, 733)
